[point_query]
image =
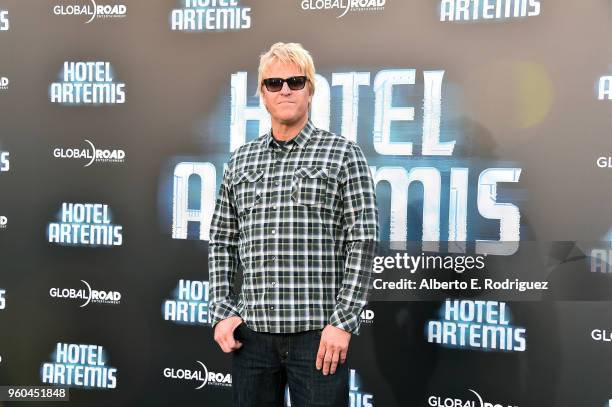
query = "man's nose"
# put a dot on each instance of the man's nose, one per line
(285, 89)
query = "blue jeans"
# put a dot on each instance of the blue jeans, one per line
(267, 362)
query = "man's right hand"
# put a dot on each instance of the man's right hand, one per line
(224, 334)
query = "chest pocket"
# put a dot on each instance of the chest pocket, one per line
(309, 185)
(247, 186)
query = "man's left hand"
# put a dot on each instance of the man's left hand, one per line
(332, 348)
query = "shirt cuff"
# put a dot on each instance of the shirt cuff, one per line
(346, 320)
(221, 311)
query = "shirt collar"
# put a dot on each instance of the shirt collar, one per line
(301, 139)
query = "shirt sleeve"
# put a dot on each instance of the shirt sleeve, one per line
(223, 259)
(360, 228)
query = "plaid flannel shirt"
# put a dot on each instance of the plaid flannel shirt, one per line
(300, 222)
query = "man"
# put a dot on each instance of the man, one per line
(296, 213)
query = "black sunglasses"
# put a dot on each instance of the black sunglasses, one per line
(276, 84)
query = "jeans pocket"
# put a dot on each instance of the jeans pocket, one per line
(239, 331)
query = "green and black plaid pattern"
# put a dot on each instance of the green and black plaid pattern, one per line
(301, 222)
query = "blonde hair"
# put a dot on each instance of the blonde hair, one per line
(290, 52)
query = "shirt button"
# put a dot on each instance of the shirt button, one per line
(273, 283)
(274, 207)
(276, 183)
(272, 307)
(273, 231)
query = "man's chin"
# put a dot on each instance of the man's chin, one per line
(289, 121)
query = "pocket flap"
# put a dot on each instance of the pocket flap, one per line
(248, 176)
(311, 172)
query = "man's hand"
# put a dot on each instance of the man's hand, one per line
(332, 348)
(224, 334)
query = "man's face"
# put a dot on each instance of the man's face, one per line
(286, 106)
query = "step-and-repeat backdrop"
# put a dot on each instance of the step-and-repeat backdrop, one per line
(486, 125)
